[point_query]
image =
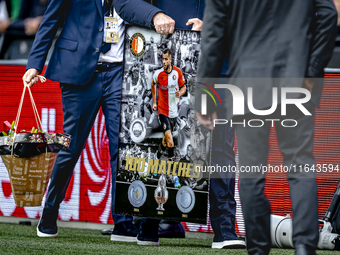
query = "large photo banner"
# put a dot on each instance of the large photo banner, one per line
(164, 150)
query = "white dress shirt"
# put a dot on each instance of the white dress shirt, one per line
(115, 54)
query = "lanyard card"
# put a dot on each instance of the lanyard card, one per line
(111, 30)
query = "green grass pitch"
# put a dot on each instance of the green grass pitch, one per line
(21, 239)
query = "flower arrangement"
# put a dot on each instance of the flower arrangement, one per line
(29, 143)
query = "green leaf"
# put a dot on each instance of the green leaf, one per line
(12, 126)
(4, 133)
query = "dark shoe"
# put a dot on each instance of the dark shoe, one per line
(229, 242)
(107, 231)
(124, 232)
(147, 240)
(171, 229)
(148, 232)
(47, 226)
(47, 232)
(304, 250)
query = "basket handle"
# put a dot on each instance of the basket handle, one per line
(35, 110)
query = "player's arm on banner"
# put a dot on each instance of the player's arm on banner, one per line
(324, 34)
(154, 93)
(181, 92)
(51, 21)
(145, 14)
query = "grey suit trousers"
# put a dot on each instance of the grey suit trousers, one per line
(296, 145)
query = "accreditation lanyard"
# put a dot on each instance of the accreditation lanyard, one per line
(111, 26)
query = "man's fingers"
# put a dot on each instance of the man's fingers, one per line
(206, 120)
(24, 80)
(31, 81)
(28, 80)
(178, 95)
(163, 23)
(214, 116)
(309, 84)
(170, 26)
(172, 29)
(35, 80)
(30, 77)
(190, 22)
(207, 124)
(203, 120)
(197, 24)
(158, 29)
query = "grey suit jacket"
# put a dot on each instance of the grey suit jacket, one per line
(268, 39)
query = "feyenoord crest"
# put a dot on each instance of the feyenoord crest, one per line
(137, 45)
(174, 77)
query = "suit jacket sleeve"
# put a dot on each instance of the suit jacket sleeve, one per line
(136, 11)
(213, 48)
(324, 32)
(214, 39)
(52, 19)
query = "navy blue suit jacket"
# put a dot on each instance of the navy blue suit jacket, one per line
(178, 10)
(77, 49)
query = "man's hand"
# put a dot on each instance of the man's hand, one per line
(178, 93)
(30, 77)
(197, 24)
(32, 25)
(4, 25)
(308, 84)
(163, 23)
(207, 120)
(154, 107)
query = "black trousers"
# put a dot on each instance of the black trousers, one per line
(296, 145)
